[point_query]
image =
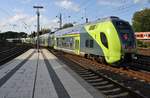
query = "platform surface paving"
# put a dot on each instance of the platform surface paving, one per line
(42, 75)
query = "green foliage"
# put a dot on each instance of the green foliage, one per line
(142, 44)
(11, 34)
(67, 25)
(44, 31)
(33, 34)
(141, 20)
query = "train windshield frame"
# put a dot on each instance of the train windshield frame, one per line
(125, 32)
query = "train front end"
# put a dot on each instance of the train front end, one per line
(127, 40)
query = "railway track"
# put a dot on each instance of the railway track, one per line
(143, 51)
(9, 54)
(142, 63)
(6, 46)
(102, 79)
(9, 49)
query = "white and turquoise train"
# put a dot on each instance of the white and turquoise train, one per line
(110, 40)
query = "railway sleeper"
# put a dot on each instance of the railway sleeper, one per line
(107, 87)
(110, 90)
(100, 83)
(104, 86)
(119, 95)
(79, 69)
(90, 78)
(87, 75)
(96, 80)
(114, 91)
(82, 71)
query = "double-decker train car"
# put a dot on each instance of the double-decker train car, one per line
(46, 40)
(109, 40)
(43, 39)
(28, 40)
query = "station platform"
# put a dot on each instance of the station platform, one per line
(42, 75)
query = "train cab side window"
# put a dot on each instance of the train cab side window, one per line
(104, 39)
(57, 42)
(87, 43)
(91, 43)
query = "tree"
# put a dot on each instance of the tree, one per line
(12, 34)
(23, 35)
(141, 20)
(67, 25)
(44, 31)
(33, 34)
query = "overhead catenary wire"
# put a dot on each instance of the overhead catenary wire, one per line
(24, 24)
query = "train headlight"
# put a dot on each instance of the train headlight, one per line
(134, 57)
(122, 56)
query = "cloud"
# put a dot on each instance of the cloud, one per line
(25, 1)
(22, 21)
(110, 2)
(52, 24)
(16, 10)
(137, 1)
(16, 18)
(16, 21)
(27, 23)
(141, 1)
(68, 4)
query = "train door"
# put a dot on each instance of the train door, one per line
(77, 45)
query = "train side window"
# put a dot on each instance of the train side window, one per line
(87, 43)
(91, 43)
(104, 39)
(76, 44)
(57, 42)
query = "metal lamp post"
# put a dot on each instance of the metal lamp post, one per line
(38, 24)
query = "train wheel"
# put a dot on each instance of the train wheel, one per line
(101, 60)
(86, 56)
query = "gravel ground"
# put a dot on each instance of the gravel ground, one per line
(135, 84)
(144, 51)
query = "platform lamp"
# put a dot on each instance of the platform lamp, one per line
(38, 24)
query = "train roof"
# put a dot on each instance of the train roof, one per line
(78, 28)
(103, 20)
(45, 35)
(142, 32)
(74, 29)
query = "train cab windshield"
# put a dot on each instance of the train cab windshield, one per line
(126, 34)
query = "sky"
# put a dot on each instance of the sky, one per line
(20, 16)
